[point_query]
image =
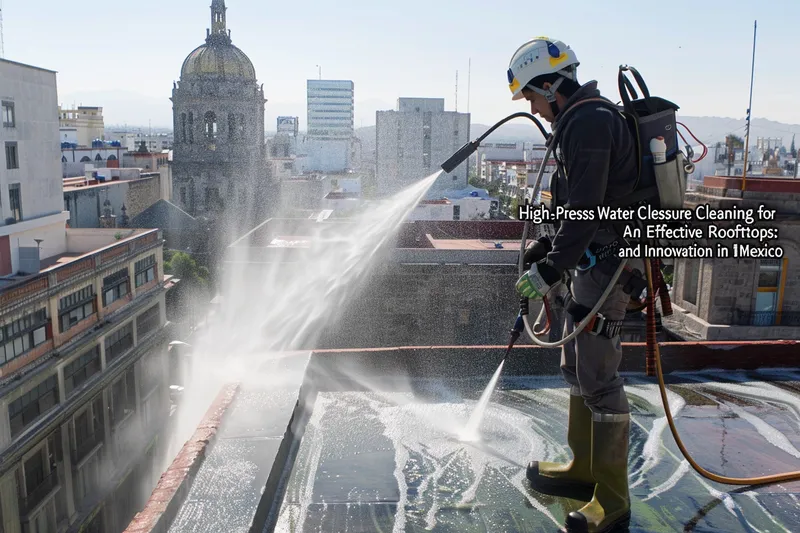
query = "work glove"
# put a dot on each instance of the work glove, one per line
(538, 281)
(536, 251)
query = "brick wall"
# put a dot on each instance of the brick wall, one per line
(142, 193)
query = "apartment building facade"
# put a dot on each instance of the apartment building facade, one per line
(83, 389)
(83, 393)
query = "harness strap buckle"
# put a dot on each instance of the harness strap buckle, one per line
(588, 261)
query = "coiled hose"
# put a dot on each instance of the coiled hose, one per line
(523, 245)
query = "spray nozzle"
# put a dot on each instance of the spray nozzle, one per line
(459, 157)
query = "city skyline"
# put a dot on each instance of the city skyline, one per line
(689, 70)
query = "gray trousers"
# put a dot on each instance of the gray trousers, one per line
(589, 363)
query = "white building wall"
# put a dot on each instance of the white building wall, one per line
(404, 156)
(469, 209)
(327, 155)
(36, 132)
(68, 135)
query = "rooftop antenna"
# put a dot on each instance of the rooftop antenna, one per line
(456, 91)
(469, 79)
(749, 107)
(320, 71)
(2, 46)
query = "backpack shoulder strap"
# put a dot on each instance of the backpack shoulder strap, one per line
(564, 120)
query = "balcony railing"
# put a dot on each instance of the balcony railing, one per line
(35, 497)
(765, 319)
(87, 444)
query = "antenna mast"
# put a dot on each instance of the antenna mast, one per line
(469, 79)
(2, 46)
(749, 108)
(456, 91)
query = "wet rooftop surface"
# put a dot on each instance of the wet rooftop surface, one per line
(391, 461)
(226, 491)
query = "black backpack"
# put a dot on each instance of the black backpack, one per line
(647, 117)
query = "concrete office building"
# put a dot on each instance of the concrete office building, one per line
(329, 143)
(414, 140)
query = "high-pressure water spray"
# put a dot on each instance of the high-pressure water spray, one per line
(459, 157)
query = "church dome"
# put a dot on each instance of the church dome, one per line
(218, 60)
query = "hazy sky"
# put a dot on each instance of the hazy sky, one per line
(124, 56)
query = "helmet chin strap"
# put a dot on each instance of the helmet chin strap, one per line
(550, 94)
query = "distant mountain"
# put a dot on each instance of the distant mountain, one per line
(708, 129)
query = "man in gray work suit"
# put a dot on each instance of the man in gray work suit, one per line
(597, 160)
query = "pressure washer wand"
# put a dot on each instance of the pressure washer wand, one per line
(519, 326)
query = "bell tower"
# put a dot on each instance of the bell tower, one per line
(218, 9)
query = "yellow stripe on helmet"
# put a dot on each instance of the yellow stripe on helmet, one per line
(556, 60)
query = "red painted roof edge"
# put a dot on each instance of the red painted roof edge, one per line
(165, 500)
(493, 347)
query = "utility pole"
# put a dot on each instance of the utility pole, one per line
(730, 154)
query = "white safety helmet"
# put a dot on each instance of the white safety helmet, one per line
(538, 57)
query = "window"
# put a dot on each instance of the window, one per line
(769, 276)
(119, 342)
(183, 195)
(145, 270)
(183, 127)
(26, 409)
(210, 127)
(148, 321)
(76, 307)
(123, 397)
(692, 276)
(456, 212)
(22, 334)
(231, 127)
(115, 287)
(8, 115)
(15, 201)
(81, 369)
(191, 128)
(12, 157)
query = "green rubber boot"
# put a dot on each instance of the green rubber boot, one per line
(573, 480)
(610, 508)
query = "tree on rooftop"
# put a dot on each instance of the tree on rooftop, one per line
(188, 301)
(734, 141)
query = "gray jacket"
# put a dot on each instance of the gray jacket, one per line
(598, 153)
